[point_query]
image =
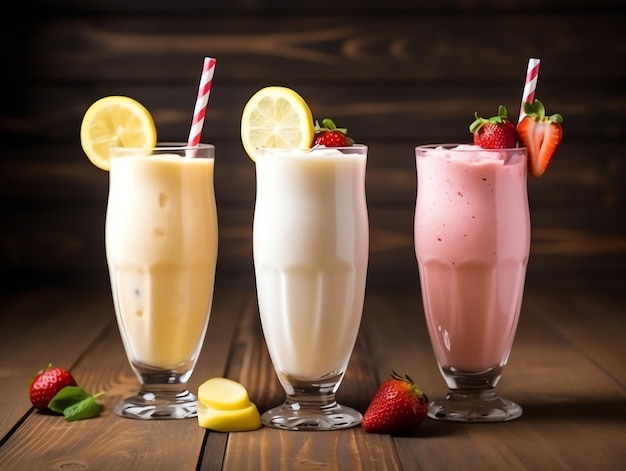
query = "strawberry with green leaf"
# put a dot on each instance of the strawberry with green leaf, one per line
(398, 406)
(541, 135)
(46, 384)
(329, 135)
(497, 132)
(55, 391)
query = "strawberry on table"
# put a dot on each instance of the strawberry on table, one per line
(541, 135)
(497, 132)
(329, 135)
(397, 406)
(47, 384)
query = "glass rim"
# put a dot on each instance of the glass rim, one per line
(167, 146)
(452, 146)
(309, 149)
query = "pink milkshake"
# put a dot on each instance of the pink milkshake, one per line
(472, 240)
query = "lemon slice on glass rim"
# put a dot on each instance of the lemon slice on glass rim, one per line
(115, 121)
(276, 117)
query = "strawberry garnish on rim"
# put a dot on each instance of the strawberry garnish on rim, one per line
(497, 132)
(329, 135)
(541, 135)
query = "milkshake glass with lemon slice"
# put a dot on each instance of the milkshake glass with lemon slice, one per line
(310, 245)
(161, 249)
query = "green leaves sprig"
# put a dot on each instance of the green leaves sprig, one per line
(75, 403)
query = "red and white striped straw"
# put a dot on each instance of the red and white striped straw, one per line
(530, 85)
(206, 80)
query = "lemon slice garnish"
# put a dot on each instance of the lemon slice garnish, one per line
(276, 117)
(115, 121)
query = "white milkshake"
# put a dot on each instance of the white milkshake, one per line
(311, 243)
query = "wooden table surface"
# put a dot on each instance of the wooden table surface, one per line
(566, 369)
(397, 73)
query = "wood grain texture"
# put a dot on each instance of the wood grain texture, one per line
(551, 354)
(565, 370)
(310, 48)
(396, 74)
(43, 326)
(81, 330)
(282, 6)
(278, 450)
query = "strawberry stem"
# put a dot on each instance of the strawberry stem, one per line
(479, 122)
(329, 125)
(537, 112)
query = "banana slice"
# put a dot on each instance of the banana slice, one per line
(224, 406)
(240, 420)
(222, 393)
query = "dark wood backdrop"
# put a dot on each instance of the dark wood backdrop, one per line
(396, 73)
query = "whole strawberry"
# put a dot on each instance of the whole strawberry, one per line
(47, 384)
(541, 135)
(397, 406)
(329, 135)
(497, 132)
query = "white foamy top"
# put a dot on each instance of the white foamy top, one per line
(314, 152)
(471, 154)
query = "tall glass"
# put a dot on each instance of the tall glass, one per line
(161, 248)
(311, 245)
(472, 241)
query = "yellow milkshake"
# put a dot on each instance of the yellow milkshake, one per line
(161, 245)
(161, 248)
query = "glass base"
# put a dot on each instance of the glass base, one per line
(151, 405)
(295, 416)
(480, 406)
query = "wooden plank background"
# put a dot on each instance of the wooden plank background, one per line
(397, 74)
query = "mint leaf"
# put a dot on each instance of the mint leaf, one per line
(67, 397)
(75, 403)
(86, 408)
